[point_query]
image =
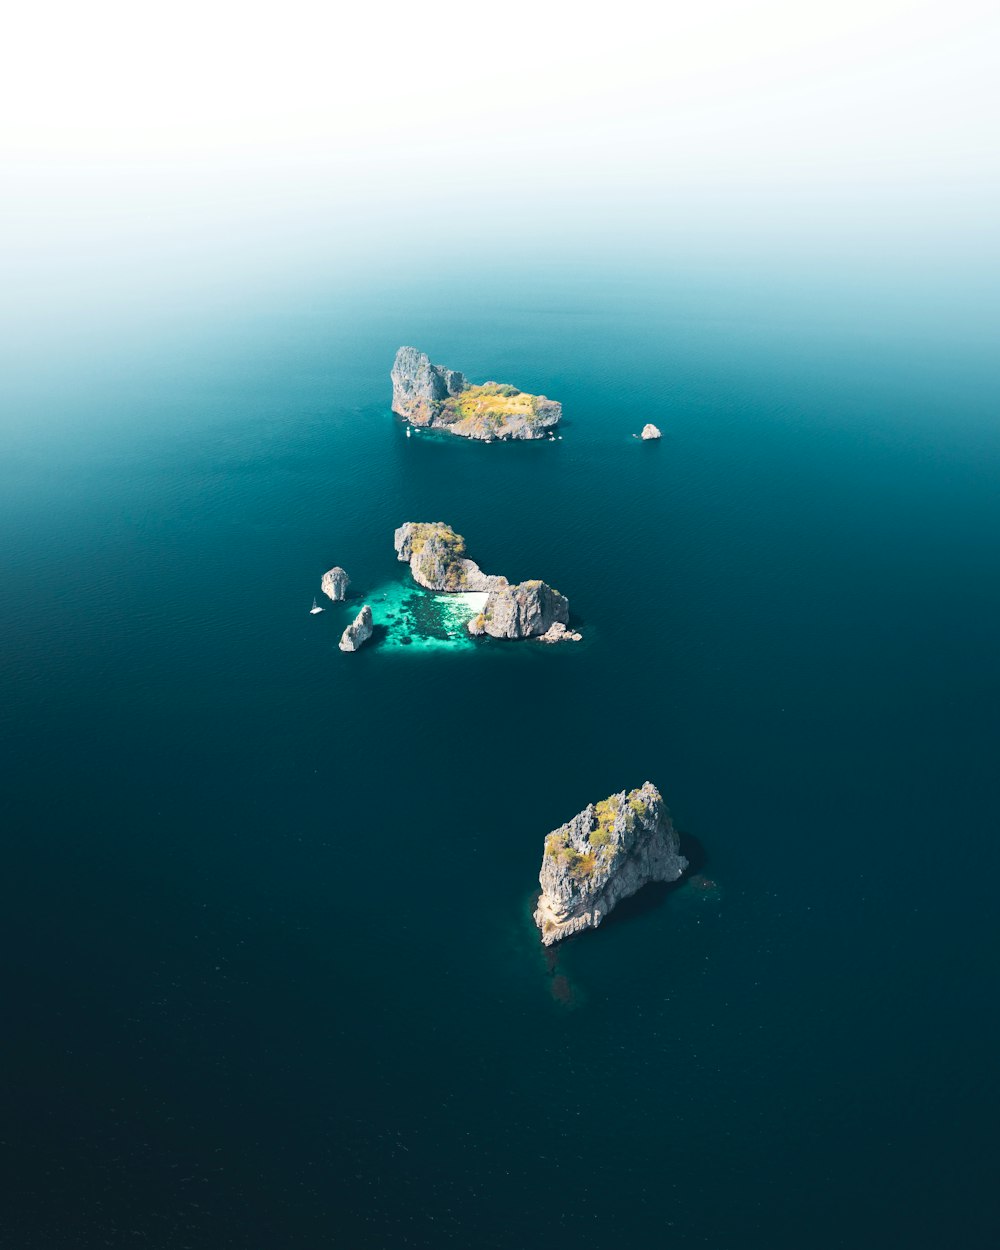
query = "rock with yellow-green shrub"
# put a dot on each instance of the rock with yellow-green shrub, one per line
(437, 559)
(605, 854)
(429, 395)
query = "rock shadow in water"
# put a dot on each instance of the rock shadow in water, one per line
(656, 893)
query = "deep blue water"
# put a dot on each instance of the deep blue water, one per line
(271, 974)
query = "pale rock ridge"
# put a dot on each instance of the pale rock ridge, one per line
(604, 855)
(358, 632)
(426, 394)
(335, 583)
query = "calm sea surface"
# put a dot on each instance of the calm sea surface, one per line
(271, 977)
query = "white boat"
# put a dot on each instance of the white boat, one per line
(408, 431)
(315, 607)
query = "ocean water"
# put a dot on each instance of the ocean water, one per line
(271, 976)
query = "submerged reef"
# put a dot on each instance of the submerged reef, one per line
(429, 395)
(603, 855)
(437, 560)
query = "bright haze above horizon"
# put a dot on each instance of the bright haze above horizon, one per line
(122, 120)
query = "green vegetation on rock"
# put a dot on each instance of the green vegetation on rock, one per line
(490, 410)
(601, 842)
(444, 535)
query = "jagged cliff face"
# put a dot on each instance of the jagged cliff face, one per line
(358, 632)
(335, 583)
(419, 388)
(526, 610)
(430, 395)
(437, 559)
(606, 853)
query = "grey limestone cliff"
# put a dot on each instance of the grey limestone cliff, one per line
(358, 632)
(419, 388)
(335, 584)
(527, 610)
(603, 855)
(431, 395)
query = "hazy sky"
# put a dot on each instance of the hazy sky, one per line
(119, 120)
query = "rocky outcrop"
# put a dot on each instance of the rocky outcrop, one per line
(606, 853)
(430, 395)
(437, 559)
(358, 632)
(559, 632)
(649, 432)
(335, 583)
(527, 610)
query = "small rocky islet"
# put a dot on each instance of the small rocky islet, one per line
(606, 853)
(430, 396)
(335, 584)
(358, 632)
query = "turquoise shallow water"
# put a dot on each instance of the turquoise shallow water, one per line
(272, 978)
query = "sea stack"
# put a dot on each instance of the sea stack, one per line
(335, 584)
(358, 632)
(649, 432)
(431, 395)
(606, 853)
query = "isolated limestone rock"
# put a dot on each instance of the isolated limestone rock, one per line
(603, 855)
(335, 584)
(650, 431)
(431, 395)
(358, 632)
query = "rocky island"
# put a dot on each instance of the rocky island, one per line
(335, 583)
(603, 855)
(437, 560)
(429, 395)
(650, 433)
(358, 632)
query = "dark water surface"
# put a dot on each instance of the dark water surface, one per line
(271, 975)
